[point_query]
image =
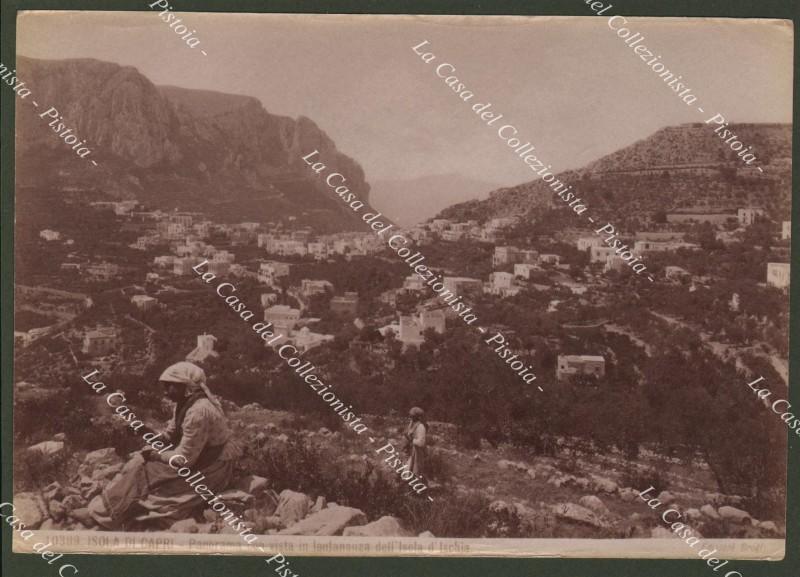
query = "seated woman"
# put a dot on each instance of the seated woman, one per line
(148, 487)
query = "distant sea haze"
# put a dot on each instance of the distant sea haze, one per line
(411, 201)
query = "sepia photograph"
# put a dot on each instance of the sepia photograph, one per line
(352, 285)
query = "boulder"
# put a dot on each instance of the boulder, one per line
(292, 507)
(237, 498)
(96, 459)
(30, 509)
(253, 484)
(628, 495)
(283, 438)
(50, 525)
(185, 526)
(71, 502)
(48, 448)
(661, 533)
(709, 511)
(319, 505)
(531, 473)
(330, 521)
(53, 491)
(693, 514)
(261, 437)
(604, 484)
(83, 516)
(733, 514)
(595, 504)
(89, 489)
(57, 509)
(60, 437)
(768, 526)
(666, 498)
(265, 524)
(578, 514)
(106, 472)
(386, 526)
(505, 464)
(426, 535)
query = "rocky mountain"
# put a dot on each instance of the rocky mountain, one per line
(415, 200)
(677, 167)
(174, 147)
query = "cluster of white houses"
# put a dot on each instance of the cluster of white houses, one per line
(188, 237)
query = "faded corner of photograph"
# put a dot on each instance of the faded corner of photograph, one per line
(402, 285)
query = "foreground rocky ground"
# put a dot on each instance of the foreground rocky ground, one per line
(568, 495)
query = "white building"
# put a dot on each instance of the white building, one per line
(549, 259)
(49, 235)
(412, 328)
(786, 230)
(600, 253)
(309, 288)
(503, 284)
(778, 274)
(283, 317)
(523, 270)
(144, 302)
(204, 348)
(305, 339)
(413, 283)
(569, 365)
(748, 216)
(584, 243)
(461, 285)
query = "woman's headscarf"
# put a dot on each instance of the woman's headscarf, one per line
(193, 377)
(418, 412)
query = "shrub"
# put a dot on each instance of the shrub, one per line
(643, 479)
(34, 470)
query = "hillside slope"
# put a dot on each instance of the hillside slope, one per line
(676, 167)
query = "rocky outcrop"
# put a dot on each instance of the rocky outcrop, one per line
(292, 507)
(386, 526)
(30, 509)
(579, 514)
(330, 521)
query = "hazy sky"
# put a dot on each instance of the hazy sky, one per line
(570, 85)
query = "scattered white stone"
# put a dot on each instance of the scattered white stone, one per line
(768, 526)
(579, 514)
(604, 484)
(709, 511)
(386, 526)
(693, 514)
(29, 509)
(733, 514)
(292, 507)
(47, 448)
(595, 504)
(329, 521)
(666, 498)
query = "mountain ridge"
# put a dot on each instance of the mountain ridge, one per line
(174, 147)
(687, 165)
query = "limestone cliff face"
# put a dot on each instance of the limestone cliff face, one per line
(175, 147)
